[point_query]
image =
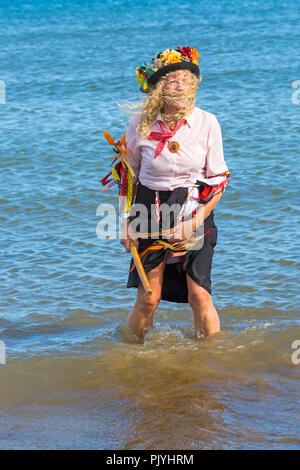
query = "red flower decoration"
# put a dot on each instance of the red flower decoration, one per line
(185, 51)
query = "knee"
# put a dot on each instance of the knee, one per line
(200, 297)
(148, 303)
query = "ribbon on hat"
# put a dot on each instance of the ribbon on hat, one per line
(163, 136)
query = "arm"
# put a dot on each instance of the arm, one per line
(186, 229)
(215, 164)
(201, 215)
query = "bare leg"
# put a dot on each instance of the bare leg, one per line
(206, 318)
(141, 317)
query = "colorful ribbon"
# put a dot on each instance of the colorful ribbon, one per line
(181, 246)
(122, 171)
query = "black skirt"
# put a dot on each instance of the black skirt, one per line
(196, 263)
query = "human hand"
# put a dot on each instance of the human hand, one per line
(183, 231)
(126, 243)
(126, 236)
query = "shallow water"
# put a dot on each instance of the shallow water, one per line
(73, 376)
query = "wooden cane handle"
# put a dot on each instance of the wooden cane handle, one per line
(140, 268)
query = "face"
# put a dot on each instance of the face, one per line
(177, 81)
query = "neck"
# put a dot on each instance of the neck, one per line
(169, 110)
(169, 117)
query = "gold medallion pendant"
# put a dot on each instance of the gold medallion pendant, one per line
(173, 146)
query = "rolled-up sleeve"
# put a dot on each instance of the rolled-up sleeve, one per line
(132, 145)
(215, 163)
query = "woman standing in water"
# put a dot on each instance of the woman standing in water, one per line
(176, 152)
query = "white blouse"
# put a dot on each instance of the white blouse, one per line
(200, 154)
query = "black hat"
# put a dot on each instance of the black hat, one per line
(182, 58)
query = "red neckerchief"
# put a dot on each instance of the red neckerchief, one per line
(163, 136)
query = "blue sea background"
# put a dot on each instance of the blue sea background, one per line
(71, 377)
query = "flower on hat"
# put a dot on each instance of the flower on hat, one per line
(141, 77)
(142, 74)
(170, 57)
(190, 53)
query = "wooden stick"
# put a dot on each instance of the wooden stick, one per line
(140, 268)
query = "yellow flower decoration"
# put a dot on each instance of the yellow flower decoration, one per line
(170, 56)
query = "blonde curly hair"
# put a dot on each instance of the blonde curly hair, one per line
(156, 99)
